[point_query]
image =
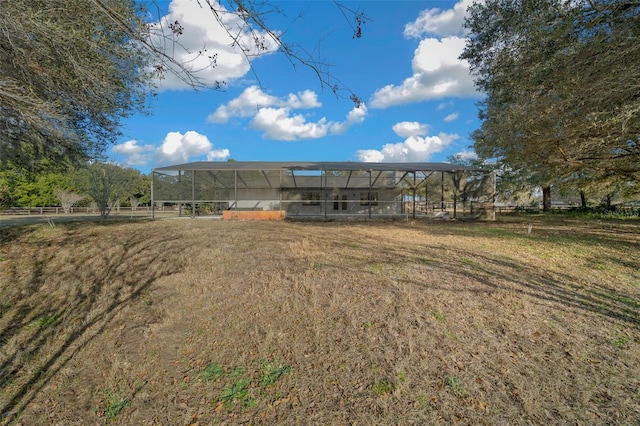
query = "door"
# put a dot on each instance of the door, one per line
(340, 202)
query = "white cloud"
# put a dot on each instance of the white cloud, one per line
(253, 98)
(465, 155)
(370, 155)
(179, 148)
(276, 118)
(282, 124)
(441, 23)
(203, 37)
(135, 154)
(218, 154)
(175, 148)
(416, 147)
(437, 74)
(357, 115)
(279, 124)
(306, 99)
(451, 117)
(410, 128)
(437, 71)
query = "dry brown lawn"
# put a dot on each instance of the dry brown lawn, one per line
(197, 322)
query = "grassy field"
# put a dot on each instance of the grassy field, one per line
(197, 322)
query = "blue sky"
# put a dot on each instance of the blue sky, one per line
(419, 99)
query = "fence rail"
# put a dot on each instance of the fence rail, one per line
(19, 211)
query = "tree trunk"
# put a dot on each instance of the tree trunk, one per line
(546, 198)
(455, 206)
(583, 200)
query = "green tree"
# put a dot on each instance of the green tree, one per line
(141, 190)
(26, 188)
(68, 74)
(5, 195)
(561, 80)
(470, 185)
(106, 184)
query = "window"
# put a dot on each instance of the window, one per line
(310, 198)
(364, 198)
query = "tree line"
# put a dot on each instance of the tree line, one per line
(104, 185)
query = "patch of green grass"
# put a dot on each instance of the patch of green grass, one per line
(425, 261)
(629, 301)
(383, 387)
(599, 266)
(455, 386)
(439, 316)
(597, 213)
(271, 373)
(619, 342)
(45, 321)
(237, 384)
(212, 372)
(468, 261)
(376, 268)
(494, 410)
(424, 402)
(237, 392)
(237, 372)
(114, 404)
(369, 325)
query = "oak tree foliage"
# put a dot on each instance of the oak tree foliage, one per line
(562, 85)
(68, 75)
(71, 70)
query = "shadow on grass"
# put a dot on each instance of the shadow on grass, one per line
(63, 293)
(11, 233)
(564, 289)
(579, 291)
(560, 289)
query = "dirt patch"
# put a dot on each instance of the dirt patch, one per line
(206, 322)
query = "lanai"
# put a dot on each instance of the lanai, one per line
(324, 189)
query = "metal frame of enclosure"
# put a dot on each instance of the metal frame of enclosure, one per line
(326, 189)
